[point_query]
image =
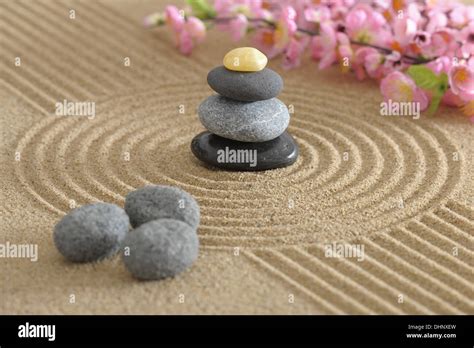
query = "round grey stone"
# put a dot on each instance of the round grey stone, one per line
(160, 249)
(91, 232)
(245, 86)
(251, 122)
(161, 202)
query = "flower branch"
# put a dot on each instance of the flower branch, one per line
(420, 52)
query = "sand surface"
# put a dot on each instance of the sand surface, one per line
(401, 188)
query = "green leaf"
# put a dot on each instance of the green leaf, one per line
(435, 101)
(423, 76)
(443, 81)
(426, 79)
(438, 94)
(201, 9)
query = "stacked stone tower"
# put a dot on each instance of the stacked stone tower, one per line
(246, 124)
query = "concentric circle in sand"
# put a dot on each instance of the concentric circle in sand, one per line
(357, 172)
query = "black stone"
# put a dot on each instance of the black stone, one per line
(276, 153)
(245, 86)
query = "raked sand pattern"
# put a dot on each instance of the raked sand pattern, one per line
(402, 188)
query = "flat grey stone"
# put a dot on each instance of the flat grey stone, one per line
(161, 202)
(160, 249)
(91, 232)
(236, 155)
(245, 86)
(244, 121)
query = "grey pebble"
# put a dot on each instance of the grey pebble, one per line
(161, 202)
(160, 249)
(245, 86)
(244, 121)
(91, 232)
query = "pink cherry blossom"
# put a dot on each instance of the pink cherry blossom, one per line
(437, 20)
(440, 5)
(174, 18)
(393, 62)
(398, 87)
(440, 65)
(460, 15)
(359, 61)
(374, 65)
(404, 30)
(461, 80)
(238, 27)
(223, 7)
(317, 14)
(185, 42)
(365, 25)
(196, 28)
(466, 35)
(300, 7)
(285, 27)
(293, 52)
(339, 8)
(239, 12)
(413, 12)
(441, 42)
(324, 46)
(344, 50)
(264, 40)
(187, 31)
(251, 8)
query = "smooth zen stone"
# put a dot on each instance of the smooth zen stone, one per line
(160, 249)
(245, 86)
(253, 122)
(245, 59)
(235, 155)
(91, 232)
(161, 202)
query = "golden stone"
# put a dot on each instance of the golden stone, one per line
(245, 59)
